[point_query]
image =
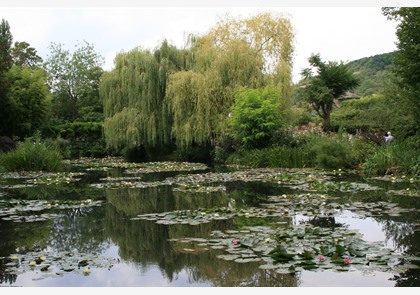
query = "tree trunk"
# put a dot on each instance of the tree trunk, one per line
(327, 121)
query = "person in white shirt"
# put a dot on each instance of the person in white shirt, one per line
(388, 138)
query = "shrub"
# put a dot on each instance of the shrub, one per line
(276, 157)
(332, 153)
(79, 139)
(33, 155)
(397, 158)
(256, 115)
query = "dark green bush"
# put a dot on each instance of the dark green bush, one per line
(81, 139)
(332, 153)
(397, 158)
(276, 157)
(33, 155)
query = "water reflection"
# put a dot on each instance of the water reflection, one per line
(149, 257)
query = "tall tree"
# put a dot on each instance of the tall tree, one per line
(6, 40)
(251, 52)
(24, 93)
(74, 80)
(25, 55)
(407, 57)
(324, 82)
(30, 95)
(133, 95)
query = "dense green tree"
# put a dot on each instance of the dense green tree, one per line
(256, 116)
(407, 57)
(251, 52)
(74, 80)
(29, 94)
(6, 40)
(184, 96)
(25, 55)
(133, 96)
(324, 82)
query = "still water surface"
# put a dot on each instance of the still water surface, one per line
(107, 226)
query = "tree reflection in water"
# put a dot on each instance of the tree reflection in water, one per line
(144, 244)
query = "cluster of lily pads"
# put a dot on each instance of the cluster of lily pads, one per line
(299, 179)
(289, 248)
(279, 246)
(29, 210)
(32, 179)
(281, 206)
(132, 167)
(45, 264)
(302, 247)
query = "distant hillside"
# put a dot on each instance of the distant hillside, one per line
(373, 73)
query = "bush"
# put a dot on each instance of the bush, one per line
(33, 155)
(136, 154)
(332, 153)
(256, 115)
(276, 157)
(397, 158)
(80, 139)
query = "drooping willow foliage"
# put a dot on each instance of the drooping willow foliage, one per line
(185, 96)
(133, 94)
(200, 100)
(253, 52)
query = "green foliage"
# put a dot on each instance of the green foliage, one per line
(30, 96)
(377, 114)
(133, 96)
(274, 157)
(373, 72)
(25, 56)
(406, 61)
(256, 115)
(235, 53)
(33, 155)
(135, 154)
(332, 153)
(74, 80)
(332, 80)
(81, 139)
(6, 40)
(397, 158)
(200, 99)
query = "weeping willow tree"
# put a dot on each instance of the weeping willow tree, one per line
(250, 52)
(133, 94)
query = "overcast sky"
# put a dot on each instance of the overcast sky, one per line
(343, 33)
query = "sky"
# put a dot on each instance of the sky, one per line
(345, 32)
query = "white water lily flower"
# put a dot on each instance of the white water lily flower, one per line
(86, 271)
(32, 263)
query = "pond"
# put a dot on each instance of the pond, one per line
(109, 223)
